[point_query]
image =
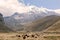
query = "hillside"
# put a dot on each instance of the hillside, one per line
(54, 28)
(3, 28)
(17, 19)
(36, 25)
(42, 24)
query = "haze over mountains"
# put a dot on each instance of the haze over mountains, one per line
(9, 7)
(34, 20)
(3, 27)
(20, 17)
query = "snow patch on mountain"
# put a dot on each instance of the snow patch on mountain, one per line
(57, 11)
(9, 7)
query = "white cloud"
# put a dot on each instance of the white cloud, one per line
(57, 11)
(8, 7)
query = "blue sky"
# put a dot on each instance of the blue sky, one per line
(51, 4)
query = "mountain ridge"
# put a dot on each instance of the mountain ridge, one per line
(44, 24)
(3, 27)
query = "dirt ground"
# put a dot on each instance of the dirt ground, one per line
(29, 36)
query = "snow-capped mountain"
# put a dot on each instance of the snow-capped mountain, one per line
(17, 20)
(33, 14)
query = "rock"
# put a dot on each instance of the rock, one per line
(3, 27)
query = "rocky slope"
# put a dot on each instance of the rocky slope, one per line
(3, 28)
(36, 25)
(17, 20)
(42, 24)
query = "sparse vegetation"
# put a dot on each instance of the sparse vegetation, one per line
(52, 37)
(42, 29)
(42, 24)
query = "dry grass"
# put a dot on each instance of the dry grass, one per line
(37, 36)
(12, 36)
(52, 37)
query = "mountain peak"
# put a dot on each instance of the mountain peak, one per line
(16, 13)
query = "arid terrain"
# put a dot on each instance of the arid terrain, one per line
(47, 28)
(30, 36)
